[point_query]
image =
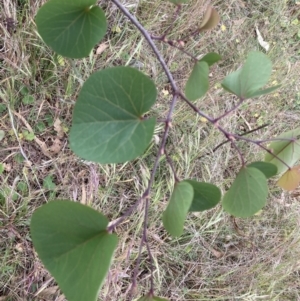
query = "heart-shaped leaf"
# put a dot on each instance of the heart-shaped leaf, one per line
(175, 214)
(206, 195)
(198, 83)
(210, 58)
(290, 180)
(107, 125)
(247, 81)
(210, 20)
(71, 28)
(287, 150)
(268, 169)
(247, 194)
(73, 244)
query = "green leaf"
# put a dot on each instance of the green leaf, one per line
(175, 214)
(206, 195)
(24, 90)
(247, 194)
(247, 81)
(197, 84)
(287, 151)
(264, 92)
(71, 28)
(268, 169)
(22, 187)
(107, 124)
(48, 183)
(211, 58)
(73, 244)
(29, 136)
(28, 99)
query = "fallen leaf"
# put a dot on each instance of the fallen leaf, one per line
(7, 167)
(165, 92)
(101, 48)
(56, 146)
(58, 128)
(19, 247)
(43, 147)
(261, 41)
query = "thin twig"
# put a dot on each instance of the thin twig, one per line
(195, 32)
(230, 111)
(259, 144)
(145, 238)
(136, 268)
(172, 44)
(201, 113)
(112, 225)
(146, 196)
(226, 141)
(239, 152)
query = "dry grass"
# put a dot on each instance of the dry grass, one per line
(217, 258)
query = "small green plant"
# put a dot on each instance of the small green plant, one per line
(111, 124)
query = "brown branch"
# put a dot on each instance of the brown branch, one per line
(172, 44)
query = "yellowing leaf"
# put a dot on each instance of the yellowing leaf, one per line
(286, 150)
(116, 29)
(290, 180)
(60, 60)
(210, 20)
(223, 27)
